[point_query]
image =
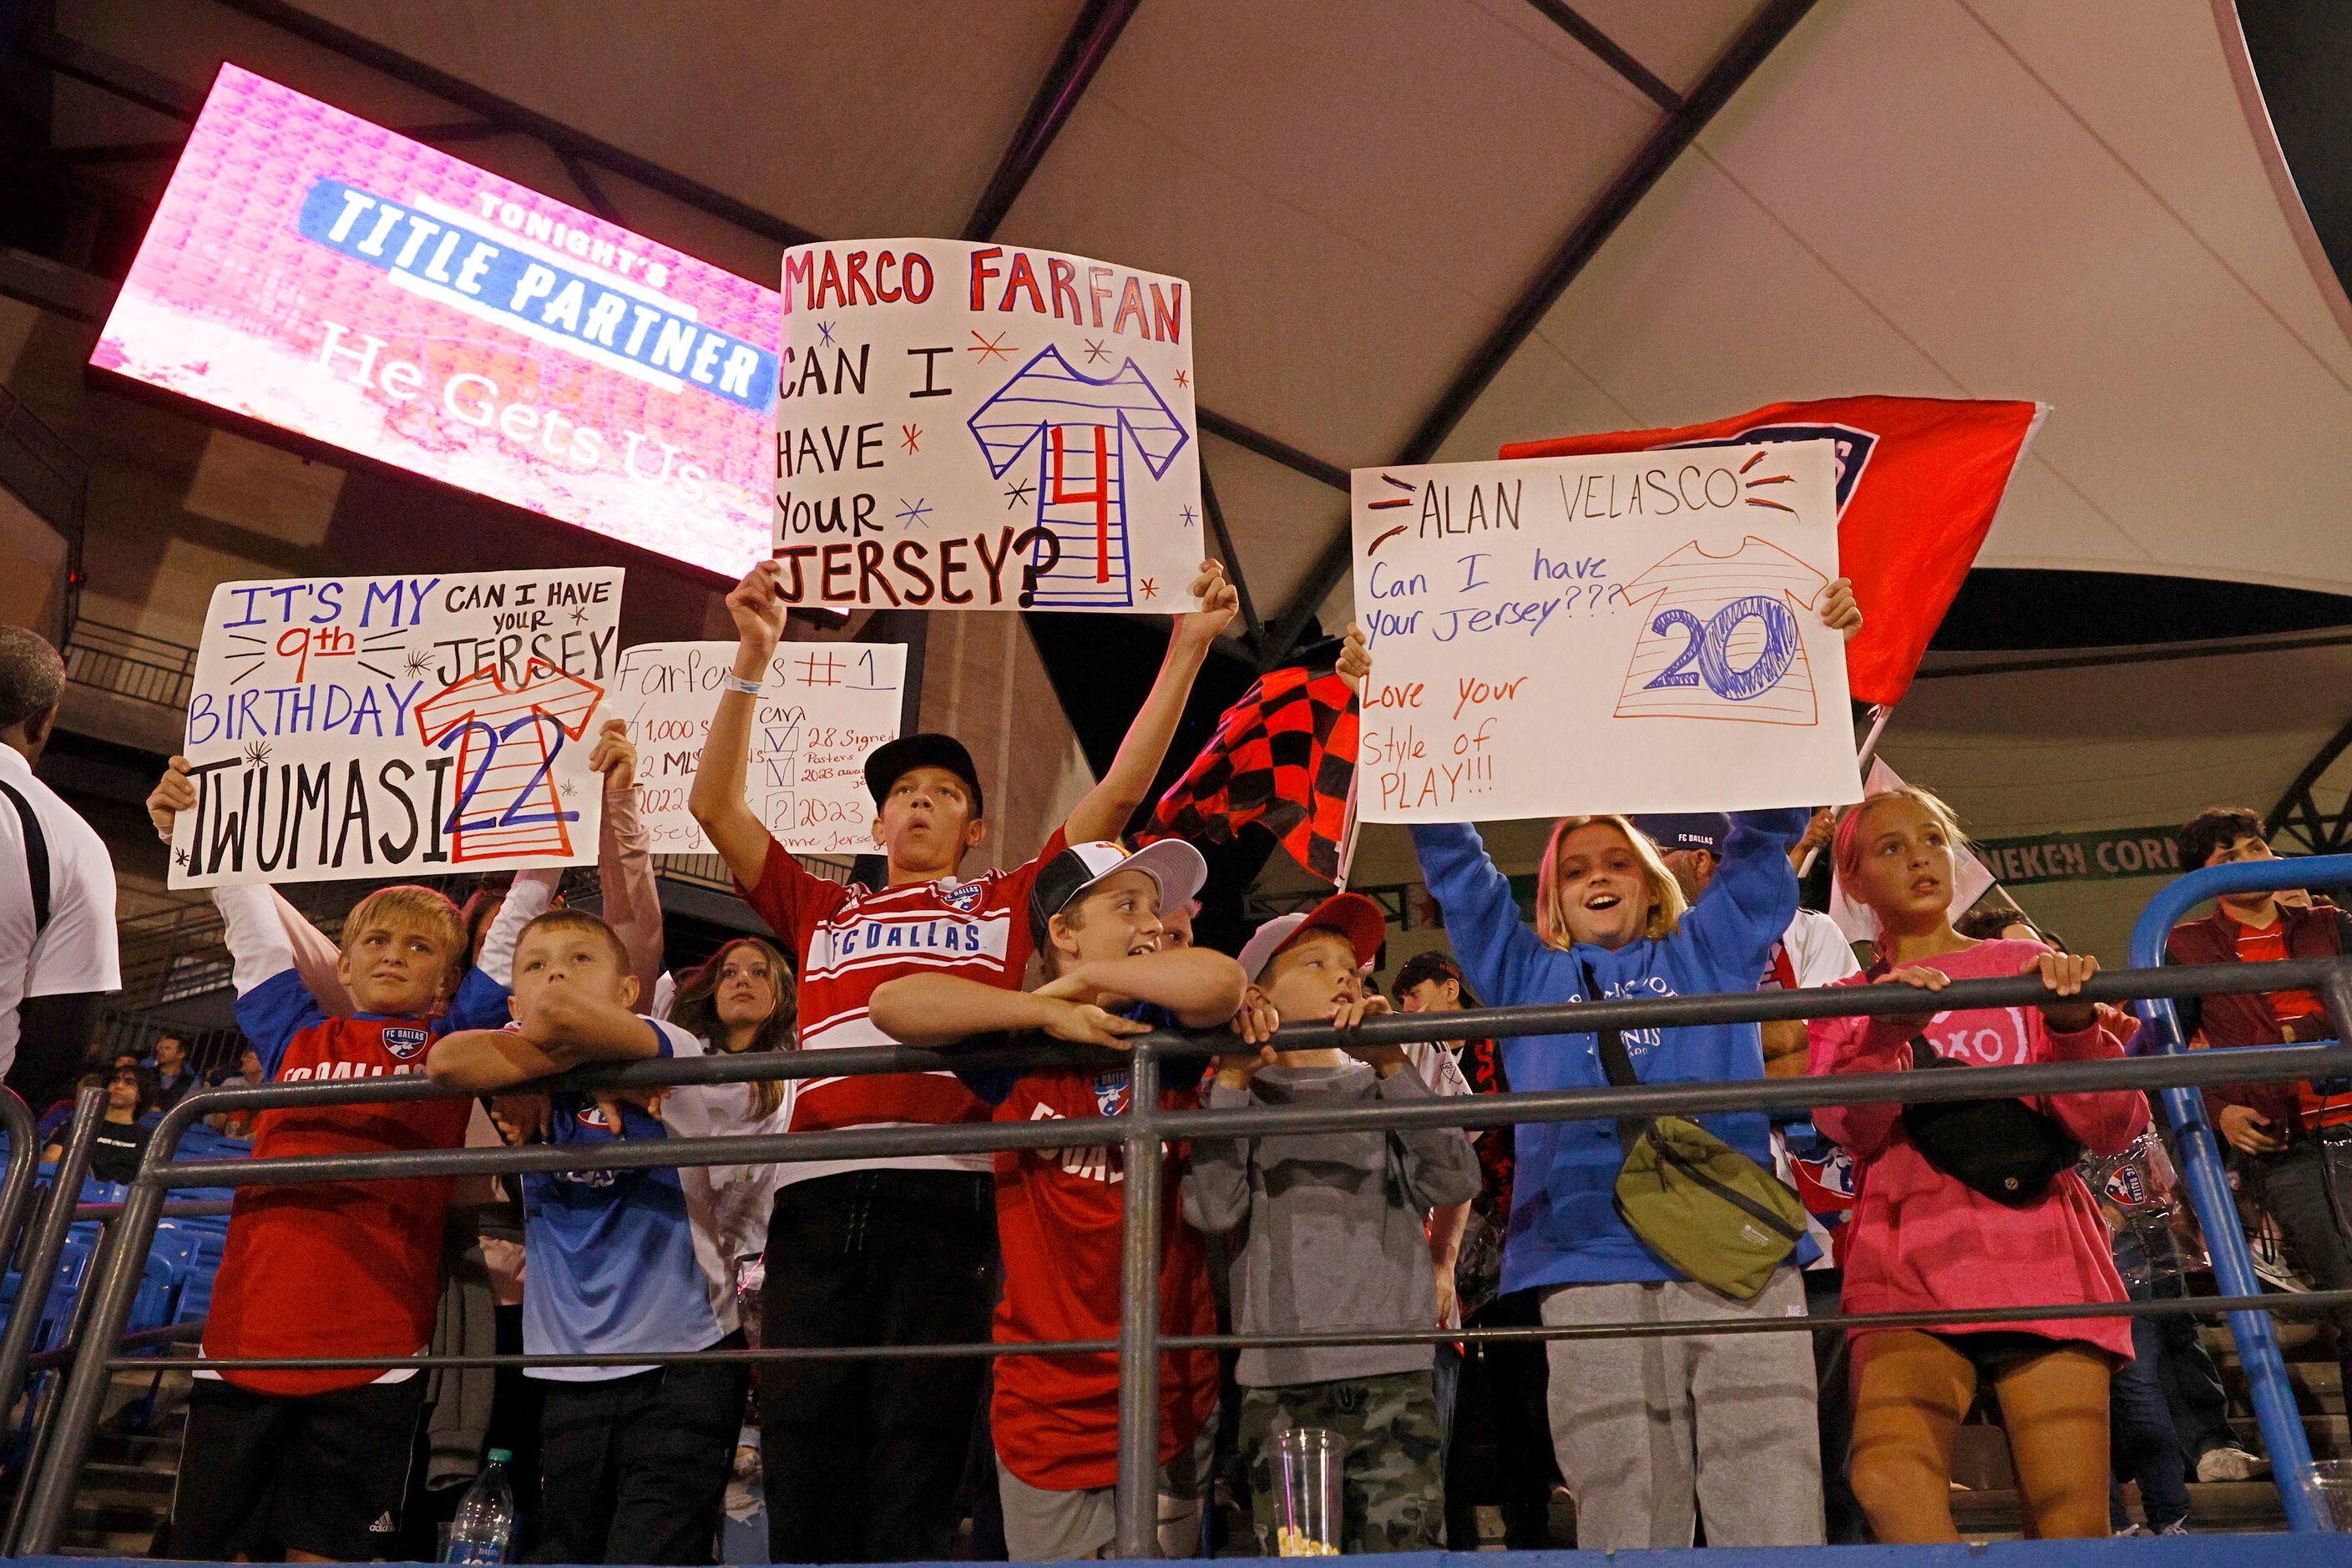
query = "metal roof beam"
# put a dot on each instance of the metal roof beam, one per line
(1083, 52)
(148, 89)
(441, 134)
(1612, 54)
(1266, 447)
(2297, 809)
(1754, 45)
(591, 195)
(1256, 630)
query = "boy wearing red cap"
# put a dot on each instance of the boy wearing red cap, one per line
(1331, 1235)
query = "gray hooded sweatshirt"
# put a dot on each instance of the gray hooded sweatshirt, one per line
(1330, 1224)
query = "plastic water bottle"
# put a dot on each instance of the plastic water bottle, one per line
(485, 1521)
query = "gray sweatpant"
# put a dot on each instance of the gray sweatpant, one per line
(1653, 1432)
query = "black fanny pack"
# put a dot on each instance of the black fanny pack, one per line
(2002, 1148)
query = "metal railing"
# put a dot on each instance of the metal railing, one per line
(127, 663)
(2209, 1183)
(24, 1170)
(38, 1274)
(1144, 1129)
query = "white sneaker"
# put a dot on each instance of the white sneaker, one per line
(2231, 1464)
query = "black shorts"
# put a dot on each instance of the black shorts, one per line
(263, 1474)
(1995, 1353)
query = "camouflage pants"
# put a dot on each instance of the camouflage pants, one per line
(1395, 1483)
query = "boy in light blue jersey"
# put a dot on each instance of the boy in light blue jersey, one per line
(636, 1460)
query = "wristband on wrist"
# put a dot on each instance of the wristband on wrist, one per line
(734, 682)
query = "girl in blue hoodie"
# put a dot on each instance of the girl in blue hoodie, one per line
(1648, 1431)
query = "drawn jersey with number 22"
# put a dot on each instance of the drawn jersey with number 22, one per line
(507, 738)
(1720, 636)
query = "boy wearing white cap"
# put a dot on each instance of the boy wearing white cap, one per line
(1331, 1235)
(1095, 911)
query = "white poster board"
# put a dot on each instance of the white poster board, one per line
(1631, 632)
(966, 427)
(342, 727)
(826, 706)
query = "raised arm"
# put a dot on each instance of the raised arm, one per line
(947, 1010)
(317, 956)
(272, 1003)
(625, 861)
(717, 798)
(1753, 897)
(1499, 954)
(1106, 808)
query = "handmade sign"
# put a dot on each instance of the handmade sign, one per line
(984, 428)
(826, 706)
(346, 727)
(1627, 632)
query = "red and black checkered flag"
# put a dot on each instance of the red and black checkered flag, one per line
(1284, 757)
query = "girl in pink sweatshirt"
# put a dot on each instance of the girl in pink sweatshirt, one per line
(1921, 1240)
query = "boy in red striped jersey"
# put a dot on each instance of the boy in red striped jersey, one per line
(862, 1460)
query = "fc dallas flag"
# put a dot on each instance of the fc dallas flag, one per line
(1919, 479)
(1283, 757)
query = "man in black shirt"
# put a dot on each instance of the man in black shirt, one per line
(122, 1139)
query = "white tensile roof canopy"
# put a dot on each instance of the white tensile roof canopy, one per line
(1416, 229)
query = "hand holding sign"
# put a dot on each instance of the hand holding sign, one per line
(1603, 634)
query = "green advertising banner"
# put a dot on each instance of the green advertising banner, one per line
(2101, 855)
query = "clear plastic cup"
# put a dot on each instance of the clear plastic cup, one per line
(1308, 1464)
(2331, 1492)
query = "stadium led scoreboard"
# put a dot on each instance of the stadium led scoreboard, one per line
(322, 274)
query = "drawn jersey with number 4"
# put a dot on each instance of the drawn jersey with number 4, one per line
(507, 738)
(1720, 637)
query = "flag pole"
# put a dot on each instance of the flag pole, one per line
(1347, 833)
(1879, 714)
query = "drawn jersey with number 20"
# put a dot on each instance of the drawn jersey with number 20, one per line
(1720, 636)
(507, 739)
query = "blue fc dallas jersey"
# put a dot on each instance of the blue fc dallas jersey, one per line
(628, 1260)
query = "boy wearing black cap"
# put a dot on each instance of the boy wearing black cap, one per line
(1095, 913)
(1331, 1235)
(863, 1459)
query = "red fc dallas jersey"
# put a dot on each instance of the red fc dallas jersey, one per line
(347, 1267)
(847, 941)
(1058, 1217)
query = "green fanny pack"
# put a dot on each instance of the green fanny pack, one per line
(1695, 1201)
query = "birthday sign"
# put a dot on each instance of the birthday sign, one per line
(346, 727)
(826, 706)
(984, 428)
(1636, 632)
